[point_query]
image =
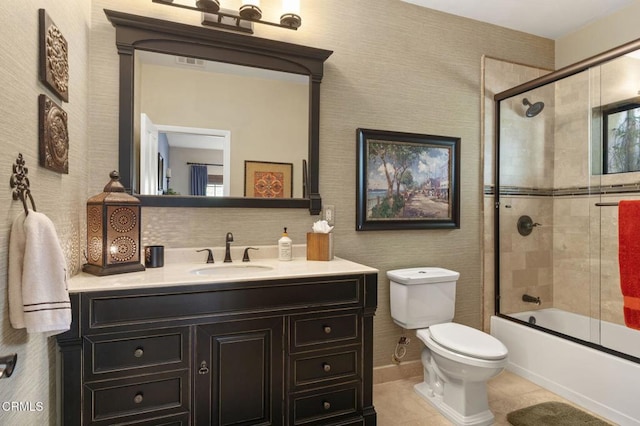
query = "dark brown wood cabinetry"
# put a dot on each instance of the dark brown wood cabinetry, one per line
(277, 352)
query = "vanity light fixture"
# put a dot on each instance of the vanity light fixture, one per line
(248, 13)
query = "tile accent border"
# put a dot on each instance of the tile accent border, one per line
(564, 192)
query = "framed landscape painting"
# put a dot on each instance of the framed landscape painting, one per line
(407, 181)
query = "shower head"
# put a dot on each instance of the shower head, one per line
(534, 109)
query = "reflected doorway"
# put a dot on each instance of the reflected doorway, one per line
(169, 152)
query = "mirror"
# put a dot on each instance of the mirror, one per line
(137, 36)
(195, 112)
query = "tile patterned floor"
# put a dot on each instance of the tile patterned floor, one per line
(397, 404)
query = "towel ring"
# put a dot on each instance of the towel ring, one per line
(20, 182)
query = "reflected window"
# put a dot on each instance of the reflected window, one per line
(215, 186)
(621, 137)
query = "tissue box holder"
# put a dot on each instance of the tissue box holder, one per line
(319, 246)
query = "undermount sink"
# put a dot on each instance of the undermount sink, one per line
(235, 269)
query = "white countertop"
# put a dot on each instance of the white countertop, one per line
(180, 265)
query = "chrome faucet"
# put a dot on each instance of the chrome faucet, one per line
(531, 299)
(227, 250)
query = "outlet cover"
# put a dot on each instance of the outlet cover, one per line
(330, 214)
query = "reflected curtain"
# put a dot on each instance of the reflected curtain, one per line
(198, 179)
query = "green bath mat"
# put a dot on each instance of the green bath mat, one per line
(553, 414)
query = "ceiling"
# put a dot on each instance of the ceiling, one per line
(545, 18)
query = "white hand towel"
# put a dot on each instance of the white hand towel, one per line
(38, 296)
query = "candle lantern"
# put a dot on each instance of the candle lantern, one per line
(113, 231)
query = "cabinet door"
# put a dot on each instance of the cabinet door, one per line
(238, 373)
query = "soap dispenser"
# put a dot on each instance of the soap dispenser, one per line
(285, 250)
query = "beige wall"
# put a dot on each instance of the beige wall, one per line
(601, 35)
(61, 197)
(395, 67)
(404, 68)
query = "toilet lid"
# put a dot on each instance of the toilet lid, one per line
(468, 341)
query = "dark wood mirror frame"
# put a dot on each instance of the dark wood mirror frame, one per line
(143, 33)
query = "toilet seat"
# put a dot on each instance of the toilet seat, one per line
(466, 341)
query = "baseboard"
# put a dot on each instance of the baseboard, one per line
(393, 372)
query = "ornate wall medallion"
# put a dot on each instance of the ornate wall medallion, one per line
(54, 136)
(54, 57)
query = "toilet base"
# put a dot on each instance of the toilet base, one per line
(483, 418)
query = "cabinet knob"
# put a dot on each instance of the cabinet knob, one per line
(326, 405)
(138, 353)
(326, 367)
(138, 398)
(327, 329)
(203, 368)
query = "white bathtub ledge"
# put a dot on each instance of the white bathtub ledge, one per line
(600, 382)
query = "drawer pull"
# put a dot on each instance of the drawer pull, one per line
(203, 368)
(326, 367)
(138, 398)
(138, 353)
(327, 329)
(326, 405)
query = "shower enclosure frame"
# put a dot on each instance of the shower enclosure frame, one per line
(549, 78)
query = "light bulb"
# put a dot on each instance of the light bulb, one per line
(291, 7)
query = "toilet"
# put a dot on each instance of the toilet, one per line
(457, 360)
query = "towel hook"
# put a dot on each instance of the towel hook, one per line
(20, 182)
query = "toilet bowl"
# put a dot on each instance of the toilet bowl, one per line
(457, 360)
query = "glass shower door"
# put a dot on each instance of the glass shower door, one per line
(544, 218)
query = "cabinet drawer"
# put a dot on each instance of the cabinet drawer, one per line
(129, 307)
(134, 399)
(144, 352)
(322, 367)
(325, 328)
(322, 407)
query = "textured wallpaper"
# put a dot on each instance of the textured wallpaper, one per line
(395, 67)
(60, 196)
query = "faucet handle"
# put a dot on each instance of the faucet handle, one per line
(245, 257)
(209, 256)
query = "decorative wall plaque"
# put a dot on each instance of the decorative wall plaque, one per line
(53, 135)
(54, 57)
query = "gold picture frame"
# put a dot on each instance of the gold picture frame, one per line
(264, 179)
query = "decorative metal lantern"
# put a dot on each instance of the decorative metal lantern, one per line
(113, 231)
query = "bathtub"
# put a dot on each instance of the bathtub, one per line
(603, 383)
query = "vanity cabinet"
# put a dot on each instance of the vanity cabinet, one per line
(294, 351)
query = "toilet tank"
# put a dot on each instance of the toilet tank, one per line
(421, 297)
